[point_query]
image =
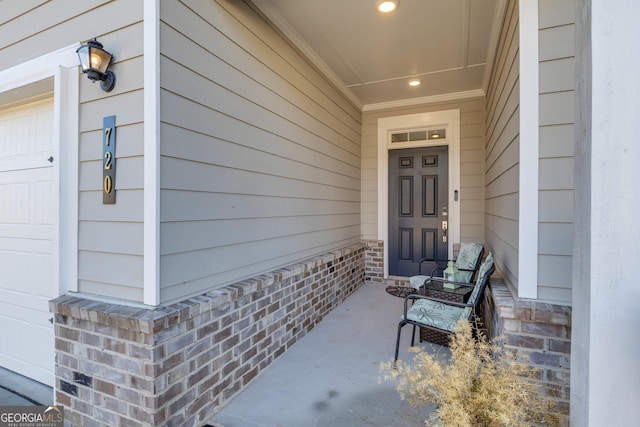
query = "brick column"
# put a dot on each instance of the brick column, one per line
(374, 261)
(540, 332)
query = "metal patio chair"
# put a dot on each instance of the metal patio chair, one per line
(440, 316)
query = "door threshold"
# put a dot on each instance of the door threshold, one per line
(396, 280)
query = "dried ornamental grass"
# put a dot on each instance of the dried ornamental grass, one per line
(480, 386)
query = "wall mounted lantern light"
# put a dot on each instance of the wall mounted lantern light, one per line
(95, 62)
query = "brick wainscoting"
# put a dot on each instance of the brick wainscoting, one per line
(174, 365)
(540, 332)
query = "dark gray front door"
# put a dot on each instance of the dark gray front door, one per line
(418, 205)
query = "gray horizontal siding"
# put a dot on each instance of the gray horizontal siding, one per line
(503, 151)
(188, 175)
(211, 205)
(555, 163)
(216, 136)
(33, 28)
(113, 234)
(260, 155)
(557, 85)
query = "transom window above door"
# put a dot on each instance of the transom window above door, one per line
(419, 135)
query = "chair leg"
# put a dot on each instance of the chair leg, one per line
(400, 325)
(413, 335)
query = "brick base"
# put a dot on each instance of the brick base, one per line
(374, 261)
(540, 332)
(174, 365)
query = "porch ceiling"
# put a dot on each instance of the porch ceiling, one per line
(447, 44)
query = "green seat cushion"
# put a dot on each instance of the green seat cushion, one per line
(436, 314)
(467, 259)
(482, 271)
(444, 316)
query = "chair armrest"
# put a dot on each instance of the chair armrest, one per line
(433, 272)
(433, 260)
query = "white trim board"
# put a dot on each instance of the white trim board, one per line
(151, 285)
(449, 119)
(529, 151)
(62, 66)
(454, 96)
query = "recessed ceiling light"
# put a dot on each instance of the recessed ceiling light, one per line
(386, 6)
(414, 82)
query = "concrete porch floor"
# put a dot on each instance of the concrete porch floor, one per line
(331, 376)
(17, 390)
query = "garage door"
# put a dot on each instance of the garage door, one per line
(28, 201)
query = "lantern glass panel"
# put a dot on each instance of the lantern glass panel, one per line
(99, 60)
(83, 55)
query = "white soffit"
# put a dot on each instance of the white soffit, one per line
(449, 45)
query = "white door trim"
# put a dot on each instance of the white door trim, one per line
(449, 119)
(62, 66)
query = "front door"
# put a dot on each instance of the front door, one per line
(418, 208)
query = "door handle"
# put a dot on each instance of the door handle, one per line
(445, 226)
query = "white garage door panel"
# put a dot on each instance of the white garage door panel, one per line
(25, 131)
(32, 278)
(27, 206)
(28, 200)
(32, 334)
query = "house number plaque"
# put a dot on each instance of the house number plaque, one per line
(109, 160)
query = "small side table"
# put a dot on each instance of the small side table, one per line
(436, 290)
